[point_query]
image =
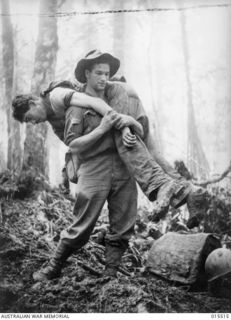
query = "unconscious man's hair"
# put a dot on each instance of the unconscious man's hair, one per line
(20, 105)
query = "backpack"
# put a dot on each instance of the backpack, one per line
(62, 84)
(71, 160)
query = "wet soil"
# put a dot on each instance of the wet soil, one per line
(29, 232)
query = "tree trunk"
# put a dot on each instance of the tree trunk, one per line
(35, 153)
(13, 127)
(196, 159)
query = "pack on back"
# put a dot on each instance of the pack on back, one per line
(72, 162)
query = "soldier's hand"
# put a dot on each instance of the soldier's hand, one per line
(123, 121)
(109, 120)
(129, 139)
(128, 121)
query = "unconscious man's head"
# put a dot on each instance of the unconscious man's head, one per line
(29, 108)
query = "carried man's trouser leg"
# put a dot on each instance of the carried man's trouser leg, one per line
(160, 183)
(153, 181)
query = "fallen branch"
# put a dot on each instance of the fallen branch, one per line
(214, 180)
(123, 271)
(98, 256)
(91, 270)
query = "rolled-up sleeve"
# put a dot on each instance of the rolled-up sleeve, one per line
(60, 100)
(73, 124)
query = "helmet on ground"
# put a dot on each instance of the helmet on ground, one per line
(218, 263)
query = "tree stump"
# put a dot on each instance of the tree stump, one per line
(181, 257)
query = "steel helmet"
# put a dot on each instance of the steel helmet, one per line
(218, 263)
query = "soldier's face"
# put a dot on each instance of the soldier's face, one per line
(98, 76)
(36, 113)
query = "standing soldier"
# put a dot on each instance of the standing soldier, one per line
(102, 175)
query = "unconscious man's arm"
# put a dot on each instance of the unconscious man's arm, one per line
(80, 99)
(63, 98)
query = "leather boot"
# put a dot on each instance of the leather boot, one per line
(165, 194)
(197, 203)
(54, 267)
(113, 257)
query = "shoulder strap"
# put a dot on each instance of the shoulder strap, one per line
(61, 83)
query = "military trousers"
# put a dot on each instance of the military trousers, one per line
(100, 179)
(142, 166)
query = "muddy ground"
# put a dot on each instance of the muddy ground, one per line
(29, 232)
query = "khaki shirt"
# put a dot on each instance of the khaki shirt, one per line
(121, 97)
(78, 122)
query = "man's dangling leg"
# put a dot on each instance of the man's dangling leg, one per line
(153, 181)
(151, 171)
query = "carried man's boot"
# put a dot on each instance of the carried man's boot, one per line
(172, 192)
(176, 195)
(161, 205)
(113, 257)
(54, 267)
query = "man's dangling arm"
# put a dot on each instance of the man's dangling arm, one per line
(80, 99)
(97, 104)
(63, 99)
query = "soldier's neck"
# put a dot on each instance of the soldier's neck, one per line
(91, 92)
